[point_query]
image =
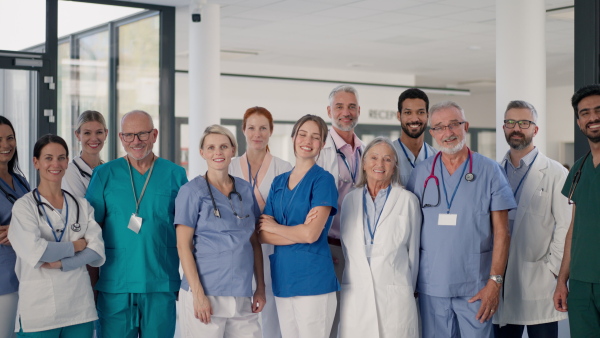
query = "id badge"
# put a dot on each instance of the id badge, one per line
(368, 250)
(447, 219)
(135, 223)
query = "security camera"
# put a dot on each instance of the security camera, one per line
(196, 17)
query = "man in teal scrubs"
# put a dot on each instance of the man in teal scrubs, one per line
(134, 201)
(581, 263)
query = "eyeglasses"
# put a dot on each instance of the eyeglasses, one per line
(523, 124)
(142, 136)
(451, 126)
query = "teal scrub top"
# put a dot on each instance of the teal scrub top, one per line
(146, 261)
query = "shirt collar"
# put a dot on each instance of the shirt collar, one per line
(339, 141)
(525, 161)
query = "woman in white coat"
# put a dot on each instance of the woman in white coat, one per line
(380, 236)
(54, 235)
(91, 131)
(259, 167)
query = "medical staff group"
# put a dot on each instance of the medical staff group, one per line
(385, 239)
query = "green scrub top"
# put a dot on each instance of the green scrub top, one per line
(146, 261)
(585, 265)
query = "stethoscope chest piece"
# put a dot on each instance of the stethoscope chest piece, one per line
(469, 177)
(76, 227)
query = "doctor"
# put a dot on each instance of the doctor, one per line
(91, 131)
(380, 239)
(465, 200)
(54, 235)
(13, 185)
(304, 281)
(538, 229)
(259, 167)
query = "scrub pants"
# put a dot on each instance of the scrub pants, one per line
(73, 331)
(8, 314)
(268, 316)
(232, 317)
(452, 317)
(584, 308)
(546, 330)
(306, 316)
(339, 263)
(125, 315)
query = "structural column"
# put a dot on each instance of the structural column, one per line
(520, 63)
(204, 78)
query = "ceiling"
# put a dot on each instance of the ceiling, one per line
(444, 43)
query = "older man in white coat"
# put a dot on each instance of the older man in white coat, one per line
(538, 226)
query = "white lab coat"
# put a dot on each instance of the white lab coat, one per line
(377, 299)
(51, 298)
(73, 181)
(536, 247)
(328, 158)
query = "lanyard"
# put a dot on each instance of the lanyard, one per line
(284, 210)
(255, 178)
(406, 154)
(449, 204)
(62, 232)
(372, 231)
(339, 152)
(137, 201)
(522, 178)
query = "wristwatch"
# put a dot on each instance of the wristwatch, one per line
(497, 278)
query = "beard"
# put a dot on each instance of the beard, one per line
(341, 127)
(455, 149)
(415, 134)
(593, 138)
(521, 144)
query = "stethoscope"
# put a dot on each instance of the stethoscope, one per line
(233, 192)
(10, 197)
(339, 152)
(83, 173)
(76, 227)
(469, 177)
(577, 177)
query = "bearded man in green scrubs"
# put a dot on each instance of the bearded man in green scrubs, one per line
(134, 201)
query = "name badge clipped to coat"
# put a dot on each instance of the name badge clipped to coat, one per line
(447, 219)
(135, 223)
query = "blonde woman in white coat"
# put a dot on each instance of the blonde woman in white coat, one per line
(380, 237)
(54, 235)
(259, 167)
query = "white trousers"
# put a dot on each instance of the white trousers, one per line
(268, 316)
(8, 314)
(232, 318)
(306, 316)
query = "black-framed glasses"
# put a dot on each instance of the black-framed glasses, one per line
(523, 124)
(142, 136)
(451, 126)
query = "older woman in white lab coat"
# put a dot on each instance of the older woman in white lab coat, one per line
(259, 167)
(54, 235)
(380, 236)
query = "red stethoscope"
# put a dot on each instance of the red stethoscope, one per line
(469, 177)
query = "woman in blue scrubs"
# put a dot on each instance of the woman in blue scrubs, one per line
(215, 219)
(12, 185)
(296, 219)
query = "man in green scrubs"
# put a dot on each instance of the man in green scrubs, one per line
(581, 260)
(134, 201)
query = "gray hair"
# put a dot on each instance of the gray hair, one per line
(520, 104)
(138, 112)
(220, 130)
(342, 88)
(362, 177)
(445, 105)
(89, 116)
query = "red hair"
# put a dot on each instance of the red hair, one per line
(258, 110)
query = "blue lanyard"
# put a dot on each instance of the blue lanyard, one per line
(372, 231)
(449, 204)
(284, 210)
(250, 174)
(406, 154)
(62, 233)
(339, 152)
(522, 178)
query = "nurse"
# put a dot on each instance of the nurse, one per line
(304, 281)
(54, 235)
(259, 167)
(380, 238)
(13, 185)
(215, 219)
(91, 132)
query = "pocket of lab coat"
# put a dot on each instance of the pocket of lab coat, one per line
(36, 301)
(537, 280)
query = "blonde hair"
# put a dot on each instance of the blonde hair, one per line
(218, 129)
(362, 177)
(89, 116)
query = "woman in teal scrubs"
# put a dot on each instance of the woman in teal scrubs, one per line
(296, 219)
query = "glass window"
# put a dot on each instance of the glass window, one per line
(22, 23)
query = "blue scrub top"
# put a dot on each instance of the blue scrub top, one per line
(455, 261)
(302, 269)
(222, 249)
(8, 279)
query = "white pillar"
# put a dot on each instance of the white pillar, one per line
(204, 79)
(520, 63)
